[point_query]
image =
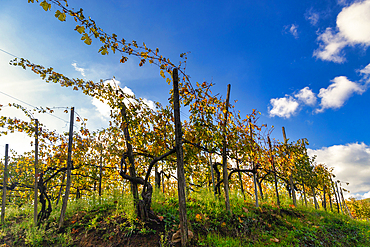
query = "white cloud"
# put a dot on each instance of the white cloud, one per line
(333, 97)
(353, 23)
(365, 72)
(331, 47)
(287, 106)
(104, 109)
(307, 96)
(292, 29)
(367, 195)
(283, 107)
(149, 103)
(312, 17)
(351, 164)
(81, 70)
(342, 2)
(353, 28)
(337, 93)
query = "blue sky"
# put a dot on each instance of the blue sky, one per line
(302, 64)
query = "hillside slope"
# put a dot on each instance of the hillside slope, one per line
(110, 221)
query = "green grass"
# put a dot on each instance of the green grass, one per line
(112, 218)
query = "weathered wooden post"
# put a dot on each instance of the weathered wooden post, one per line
(181, 184)
(254, 166)
(314, 197)
(100, 168)
(290, 176)
(275, 176)
(239, 175)
(5, 180)
(69, 166)
(36, 172)
(324, 195)
(335, 194)
(340, 204)
(212, 174)
(304, 193)
(224, 157)
(345, 204)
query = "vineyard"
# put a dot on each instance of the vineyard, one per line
(152, 173)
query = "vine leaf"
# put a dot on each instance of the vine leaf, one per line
(60, 15)
(46, 6)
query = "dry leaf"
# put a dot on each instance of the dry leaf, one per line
(275, 240)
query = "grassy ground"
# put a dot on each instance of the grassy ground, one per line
(110, 221)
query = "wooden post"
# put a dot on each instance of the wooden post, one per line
(275, 176)
(100, 169)
(181, 184)
(340, 204)
(212, 174)
(335, 194)
(324, 195)
(345, 204)
(157, 178)
(36, 172)
(259, 183)
(304, 193)
(61, 187)
(240, 175)
(162, 180)
(224, 157)
(5, 180)
(329, 195)
(253, 166)
(314, 197)
(69, 166)
(290, 176)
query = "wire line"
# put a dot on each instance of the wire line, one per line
(36, 107)
(8, 53)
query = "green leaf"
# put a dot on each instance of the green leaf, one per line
(46, 6)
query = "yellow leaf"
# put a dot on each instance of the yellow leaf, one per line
(46, 6)
(80, 29)
(61, 16)
(86, 39)
(162, 74)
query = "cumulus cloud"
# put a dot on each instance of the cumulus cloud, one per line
(351, 164)
(306, 96)
(330, 47)
(332, 97)
(283, 107)
(81, 70)
(365, 72)
(149, 103)
(104, 109)
(353, 28)
(337, 93)
(312, 17)
(292, 29)
(290, 105)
